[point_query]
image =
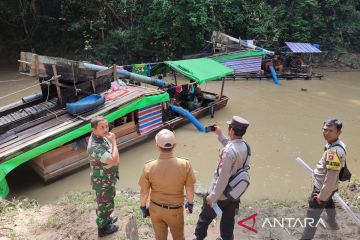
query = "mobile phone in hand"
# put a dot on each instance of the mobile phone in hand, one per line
(210, 128)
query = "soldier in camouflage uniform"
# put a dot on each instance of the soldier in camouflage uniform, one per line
(104, 161)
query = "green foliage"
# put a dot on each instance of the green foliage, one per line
(130, 31)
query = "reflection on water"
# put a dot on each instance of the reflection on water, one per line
(11, 81)
(285, 122)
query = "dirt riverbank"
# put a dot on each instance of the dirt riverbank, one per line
(73, 217)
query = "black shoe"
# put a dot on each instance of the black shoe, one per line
(107, 230)
(333, 225)
(113, 219)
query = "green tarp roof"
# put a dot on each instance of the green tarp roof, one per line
(238, 55)
(200, 70)
(203, 70)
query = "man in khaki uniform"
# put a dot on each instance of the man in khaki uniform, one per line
(325, 178)
(166, 177)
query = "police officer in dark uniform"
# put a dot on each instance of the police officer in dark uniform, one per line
(231, 159)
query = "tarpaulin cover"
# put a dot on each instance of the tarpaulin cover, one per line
(244, 65)
(200, 70)
(158, 69)
(243, 62)
(238, 55)
(302, 47)
(11, 164)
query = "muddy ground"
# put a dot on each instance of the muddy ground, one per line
(73, 217)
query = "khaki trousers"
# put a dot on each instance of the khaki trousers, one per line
(162, 219)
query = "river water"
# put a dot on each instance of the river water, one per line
(285, 123)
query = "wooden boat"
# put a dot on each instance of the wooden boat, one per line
(55, 141)
(85, 104)
(286, 64)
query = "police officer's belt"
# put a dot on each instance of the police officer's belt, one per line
(165, 206)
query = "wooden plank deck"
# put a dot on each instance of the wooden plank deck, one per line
(64, 123)
(11, 119)
(56, 126)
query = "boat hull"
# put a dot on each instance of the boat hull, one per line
(67, 159)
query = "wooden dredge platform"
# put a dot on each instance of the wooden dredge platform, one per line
(27, 124)
(57, 123)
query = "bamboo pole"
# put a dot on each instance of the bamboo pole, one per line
(58, 90)
(174, 74)
(222, 87)
(115, 72)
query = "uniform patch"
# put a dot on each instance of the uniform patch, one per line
(332, 160)
(105, 155)
(150, 160)
(222, 158)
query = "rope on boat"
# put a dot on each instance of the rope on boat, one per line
(73, 73)
(18, 80)
(47, 98)
(35, 85)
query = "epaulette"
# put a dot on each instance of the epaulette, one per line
(150, 160)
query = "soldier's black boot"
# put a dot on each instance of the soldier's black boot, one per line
(113, 219)
(107, 230)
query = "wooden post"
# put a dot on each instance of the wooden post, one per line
(222, 88)
(174, 74)
(93, 85)
(22, 65)
(36, 65)
(115, 72)
(57, 84)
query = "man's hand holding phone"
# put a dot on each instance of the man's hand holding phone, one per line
(210, 128)
(214, 128)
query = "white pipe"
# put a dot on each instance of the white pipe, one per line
(302, 163)
(217, 209)
(242, 42)
(336, 195)
(130, 75)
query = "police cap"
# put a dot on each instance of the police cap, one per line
(238, 122)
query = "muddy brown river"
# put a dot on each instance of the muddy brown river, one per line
(285, 123)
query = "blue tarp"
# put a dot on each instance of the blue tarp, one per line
(302, 47)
